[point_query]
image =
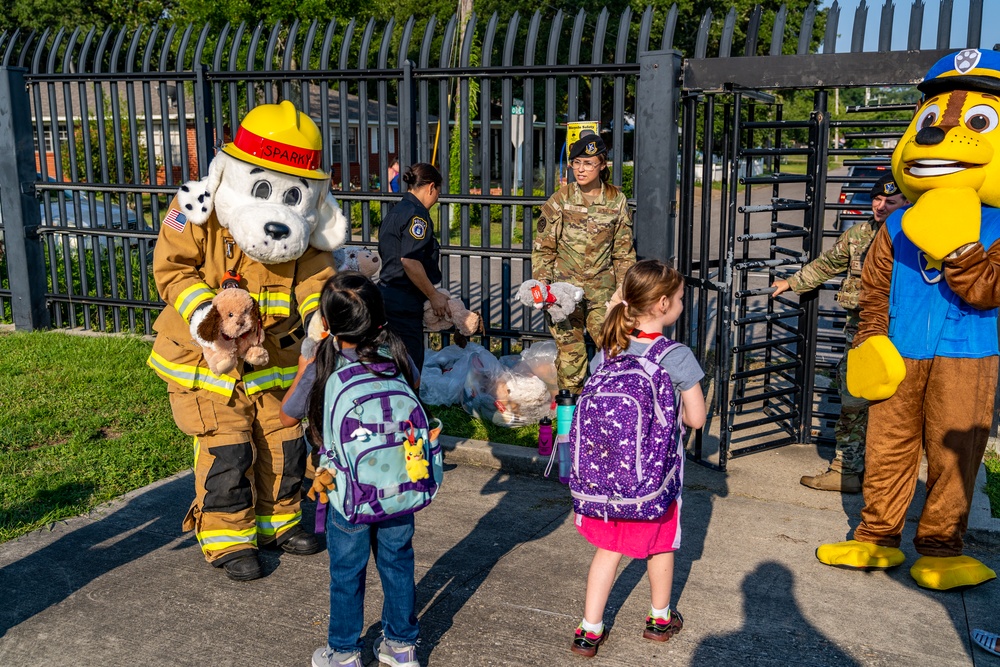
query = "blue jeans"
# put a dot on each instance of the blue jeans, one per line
(348, 545)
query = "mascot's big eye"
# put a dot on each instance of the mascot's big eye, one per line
(293, 196)
(261, 190)
(981, 118)
(929, 116)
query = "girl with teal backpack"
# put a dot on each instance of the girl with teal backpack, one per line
(378, 464)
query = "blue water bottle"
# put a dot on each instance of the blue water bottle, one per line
(565, 406)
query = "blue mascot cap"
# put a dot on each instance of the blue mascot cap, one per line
(969, 69)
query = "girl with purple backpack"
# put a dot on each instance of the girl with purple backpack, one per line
(652, 299)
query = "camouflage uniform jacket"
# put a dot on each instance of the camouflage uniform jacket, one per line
(584, 245)
(847, 254)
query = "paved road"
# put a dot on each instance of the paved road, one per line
(500, 581)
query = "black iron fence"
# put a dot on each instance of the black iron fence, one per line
(728, 176)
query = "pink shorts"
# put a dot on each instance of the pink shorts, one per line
(635, 539)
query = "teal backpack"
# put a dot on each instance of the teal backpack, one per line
(380, 443)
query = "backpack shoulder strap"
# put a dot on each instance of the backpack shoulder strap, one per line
(659, 349)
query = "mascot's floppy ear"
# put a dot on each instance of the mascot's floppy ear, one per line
(331, 225)
(197, 198)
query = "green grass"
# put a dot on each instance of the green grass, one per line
(82, 420)
(992, 462)
(458, 423)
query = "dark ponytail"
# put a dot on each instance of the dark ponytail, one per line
(421, 174)
(354, 312)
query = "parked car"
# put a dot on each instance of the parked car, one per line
(856, 192)
(63, 210)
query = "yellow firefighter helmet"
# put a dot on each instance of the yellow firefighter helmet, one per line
(281, 138)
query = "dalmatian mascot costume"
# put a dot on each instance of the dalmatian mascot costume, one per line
(263, 221)
(926, 352)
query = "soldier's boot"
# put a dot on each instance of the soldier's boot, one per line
(834, 480)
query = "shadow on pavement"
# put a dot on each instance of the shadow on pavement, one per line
(47, 576)
(456, 576)
(769, 600)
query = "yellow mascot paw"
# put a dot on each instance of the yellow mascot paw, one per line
(860, 555)
(961, 207)
(874, 369)
(942, 573)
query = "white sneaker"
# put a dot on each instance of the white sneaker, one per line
(396, 654)
(987, 641)
(324, 656)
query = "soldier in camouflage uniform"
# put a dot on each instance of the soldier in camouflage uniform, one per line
(844, 474)
(584, 237)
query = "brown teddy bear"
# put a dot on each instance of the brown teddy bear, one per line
(231, 330)
(463, 319)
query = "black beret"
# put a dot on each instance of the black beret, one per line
(884, 187)
(589, 144)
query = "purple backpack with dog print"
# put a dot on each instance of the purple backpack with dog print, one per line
(626, 439)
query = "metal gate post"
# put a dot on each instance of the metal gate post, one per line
(204, 131)
(407, 118)
(19, 209)
(820, 141)
(656, 156)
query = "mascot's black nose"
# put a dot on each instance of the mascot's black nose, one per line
(930, 136)
(276, 230)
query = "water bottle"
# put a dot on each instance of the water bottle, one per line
(545, 437)
(565, 406)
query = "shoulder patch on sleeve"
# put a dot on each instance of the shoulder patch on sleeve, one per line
(175, 220)
(418, 227)
(541, 225)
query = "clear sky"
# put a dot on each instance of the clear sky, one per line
(901, 23)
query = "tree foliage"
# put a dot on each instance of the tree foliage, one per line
(41, 14)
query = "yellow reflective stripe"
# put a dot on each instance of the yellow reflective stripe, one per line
(310, 304)
(217, 540)
(274, 303)
(191, 298)
(191, 377)
(196, 448)
(275, 377)
(272, 525)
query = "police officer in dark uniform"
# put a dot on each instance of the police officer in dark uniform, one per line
(410, 260)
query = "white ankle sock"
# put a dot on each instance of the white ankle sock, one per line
(596, 628)
(660, 613)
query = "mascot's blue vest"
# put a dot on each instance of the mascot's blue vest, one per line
(927, 319)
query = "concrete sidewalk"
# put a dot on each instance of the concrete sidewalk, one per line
(501, 573)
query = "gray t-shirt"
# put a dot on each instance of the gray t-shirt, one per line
(679, 362)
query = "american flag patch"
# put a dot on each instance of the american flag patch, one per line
(175, 220)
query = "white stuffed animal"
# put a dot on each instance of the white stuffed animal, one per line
(558, 299)
(360, 259)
